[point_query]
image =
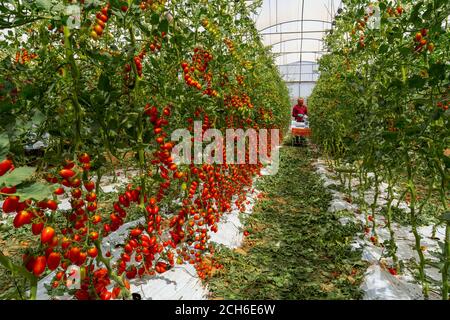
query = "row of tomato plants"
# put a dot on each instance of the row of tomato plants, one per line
(104, 90)
(381, 106)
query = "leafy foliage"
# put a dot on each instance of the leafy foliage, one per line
(381, 103)
(296, 249)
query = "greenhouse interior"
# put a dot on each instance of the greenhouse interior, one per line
(211, 150)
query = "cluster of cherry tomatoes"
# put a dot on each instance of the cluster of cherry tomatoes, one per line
(207, 267)
(170, 233)
(38, 215)
(232, 49)
(239, 101)
(361, 27)
(229, 43)
(395, 12)
(149, 248)
(23, 56)
(443, 106)
(154, 47)
(266, 115)
(211, 28)
(361, 24)
(199, 65)
(138, 63)
(144, 5)
(240, 80)
(156, 44)
(421, 42)
(97, 279)
(101, 19)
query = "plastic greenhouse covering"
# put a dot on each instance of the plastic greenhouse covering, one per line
(294, 29)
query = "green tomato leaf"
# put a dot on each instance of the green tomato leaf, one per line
(38, 117)
(35, 191)
(447, 162)
(414, 18)
(154, 19)
(383, 48)
(437, 70)
(445, 216)
(28, 92)
(104, 83)
(163, 26)
(17, 176)
(6, 106)
(4, 145)
(416, 82)
(427, 14)
(44, 4)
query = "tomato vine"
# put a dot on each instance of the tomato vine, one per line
(103, 89)
(381, 106)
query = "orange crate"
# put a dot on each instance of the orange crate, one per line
(302, 132)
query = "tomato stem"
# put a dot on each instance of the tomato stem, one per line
(18, 269)
(393, 245)
(112, 274)
(374, 203)
(417, 237)
(33, 288)
(75, 76)
(446, 248)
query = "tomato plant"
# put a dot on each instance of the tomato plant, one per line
(381, 106)
(103, 89)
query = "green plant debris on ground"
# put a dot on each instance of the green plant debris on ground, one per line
(296, 249)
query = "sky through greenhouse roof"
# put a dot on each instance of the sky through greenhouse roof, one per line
(280, 23)
(294, 29)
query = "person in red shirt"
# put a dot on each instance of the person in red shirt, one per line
(299, 110)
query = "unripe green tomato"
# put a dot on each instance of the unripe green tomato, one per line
(82, 273)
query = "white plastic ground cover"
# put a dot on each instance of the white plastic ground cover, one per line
(180, 282)
(230, 228)
(378, 283)
(381, 285)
